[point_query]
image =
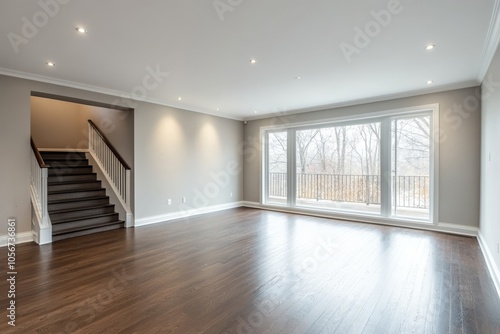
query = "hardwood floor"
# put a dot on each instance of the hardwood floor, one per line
(252, 271)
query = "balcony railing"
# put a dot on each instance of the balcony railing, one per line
(408, 191)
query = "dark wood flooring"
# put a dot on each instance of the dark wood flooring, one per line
(253, 271)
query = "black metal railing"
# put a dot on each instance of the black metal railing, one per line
(408, 191)
(412, 191)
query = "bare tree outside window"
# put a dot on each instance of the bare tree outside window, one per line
(411, 166)
(277, 165)
(338, 167)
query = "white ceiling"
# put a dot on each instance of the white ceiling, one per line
(208, 58)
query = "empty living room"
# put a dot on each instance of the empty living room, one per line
(238, 167)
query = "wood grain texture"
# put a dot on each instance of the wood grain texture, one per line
(254, 271)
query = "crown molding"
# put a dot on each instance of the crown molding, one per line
(106, 91)
(380, 98)
(491, 42)
(116, 93)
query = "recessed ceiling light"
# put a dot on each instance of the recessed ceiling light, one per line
(217, 109)
(81, 30)
(51, 64)
(430, 82)
(298, 78)
(179, 98)
(253, 61)
(430, 47)
(255, 111)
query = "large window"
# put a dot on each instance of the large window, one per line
(374, 166)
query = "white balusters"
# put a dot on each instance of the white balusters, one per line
(39, 197)
(112, 165)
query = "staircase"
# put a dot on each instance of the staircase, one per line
(77, 203)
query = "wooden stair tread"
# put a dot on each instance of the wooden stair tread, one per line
(79, 174)
(68, 166)
(69, 200)
(67, 163)
(64, 163)
(72, 191)
(54, 158)
(86, 232)
(71, 182)
(62, 221)
(68, 170)
(77, 229)
(61, 156)
(81, 209)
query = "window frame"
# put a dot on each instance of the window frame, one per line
(265, 165)
(385, 118)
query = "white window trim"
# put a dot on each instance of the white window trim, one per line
(348, 120)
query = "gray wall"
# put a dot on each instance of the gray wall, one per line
(186, 154)
(162, 169)
(117, 126)
(56, 124)
(15, 153)
(459, 165)
(490, 160)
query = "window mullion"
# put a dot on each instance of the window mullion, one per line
(265, 168)
(385, 167)
(291, 168)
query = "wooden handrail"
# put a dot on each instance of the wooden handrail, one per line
(111, 147)
(38, 156)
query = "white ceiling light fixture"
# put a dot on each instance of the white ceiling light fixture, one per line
(50, 64)
(253, 61)
(430, 47)
(81, 30)
(430, 82)
(179, 98)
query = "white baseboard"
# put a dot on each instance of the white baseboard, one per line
(490, 261)
(185, 214)
(21, 238)
(254, 205)
(457, 229)
(440, 227)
